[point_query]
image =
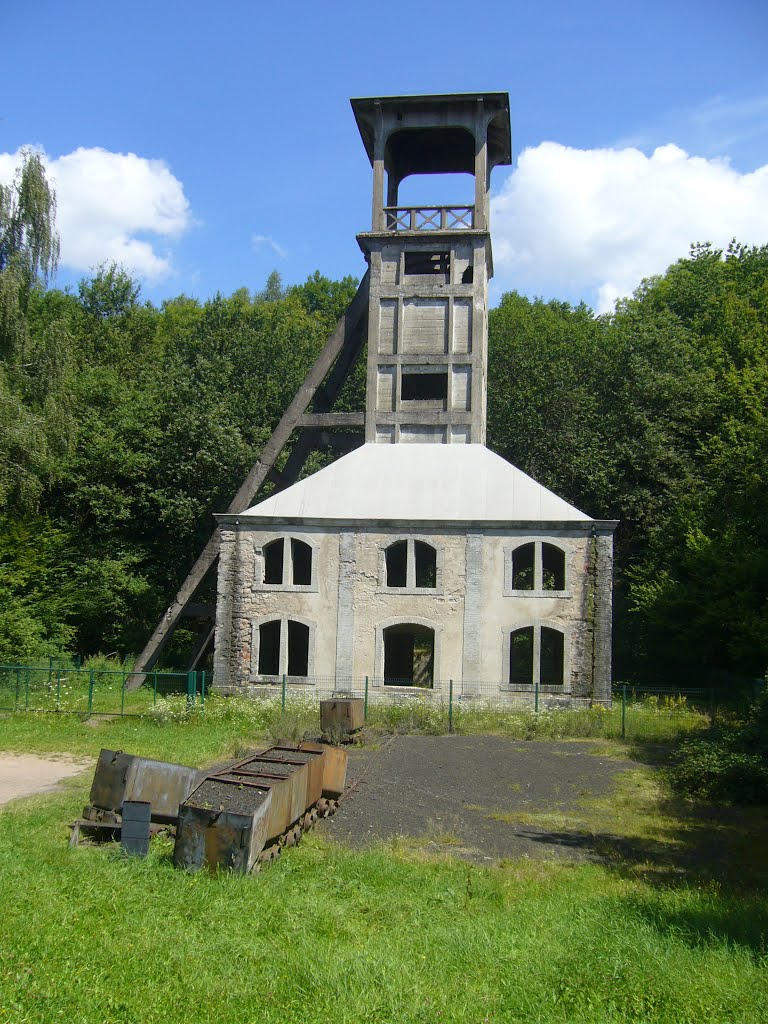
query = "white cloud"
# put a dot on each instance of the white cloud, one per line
(262, 241)
(595, 222)
(107, 203)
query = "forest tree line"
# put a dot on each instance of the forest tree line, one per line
(125, 425)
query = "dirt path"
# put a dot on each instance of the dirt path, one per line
(27, 774)
(469, 795)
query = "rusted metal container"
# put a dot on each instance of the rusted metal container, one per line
(120, 777)
(241, 815)
(223, 826)
(285, 771)
(342, 716)
(334, 772)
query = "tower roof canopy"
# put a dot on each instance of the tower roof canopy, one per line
(419, 483)
(429, 134)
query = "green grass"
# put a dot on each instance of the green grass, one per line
(645, 720)
(389, 935)
(325, 934)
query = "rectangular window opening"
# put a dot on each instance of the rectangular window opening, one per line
(424, 387)
(432, 264)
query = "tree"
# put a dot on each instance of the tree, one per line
(33, 367)
(699, 587)
(29, 245)
(28, 239)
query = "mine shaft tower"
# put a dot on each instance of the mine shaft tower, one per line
(429, 266)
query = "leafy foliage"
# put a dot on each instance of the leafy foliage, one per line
(730, 764)
(123, 427)
(656, 416)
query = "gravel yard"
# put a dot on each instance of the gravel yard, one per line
(470, 795)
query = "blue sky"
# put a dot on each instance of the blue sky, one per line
(205, 146)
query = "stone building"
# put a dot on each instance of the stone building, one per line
(421, 556)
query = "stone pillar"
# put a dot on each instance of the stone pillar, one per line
(473, 613)
(603, 605)
(345, 622)
(226, 583)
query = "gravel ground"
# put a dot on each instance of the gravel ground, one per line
(442, 790)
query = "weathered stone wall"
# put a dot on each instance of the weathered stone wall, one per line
(473, 609)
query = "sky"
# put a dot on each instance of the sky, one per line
(203, 146)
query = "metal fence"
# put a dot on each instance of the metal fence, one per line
(635, 712)
(72, 689)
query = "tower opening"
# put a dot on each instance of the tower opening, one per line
(423, 386)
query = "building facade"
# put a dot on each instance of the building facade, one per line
(422, 558)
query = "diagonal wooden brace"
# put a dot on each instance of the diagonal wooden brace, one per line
(343, 347)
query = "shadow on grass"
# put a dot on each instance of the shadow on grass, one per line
(717, 853)
(705, 849)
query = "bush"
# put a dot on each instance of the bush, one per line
(732, 763)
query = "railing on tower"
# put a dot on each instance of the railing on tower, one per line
(429, 218)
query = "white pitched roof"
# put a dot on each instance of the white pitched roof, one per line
(419, 482)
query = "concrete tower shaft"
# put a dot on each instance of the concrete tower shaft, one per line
(429, 266)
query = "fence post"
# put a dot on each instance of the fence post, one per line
(90, 691)
(450, 705)
(536, 692)
(58, 689)
(283, 694)
(26, 689)
(191, 689)
(624, 711)
(202, 688)
(122, 692)
(154, 696)
(18, 687)
(365, 704)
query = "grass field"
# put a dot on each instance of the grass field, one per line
(389, 935)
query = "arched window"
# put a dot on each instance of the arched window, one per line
(426, 564)
(397, 564)
(409, 655)
(283, 647)
(521, 657)
(269, 648)
(538, 567)
(274, 561)
(288, 562)
(523, 567)
(552, 567)
(551, 657)
(301, 563)
(298, 648)
(411, 564)
(536, 655)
